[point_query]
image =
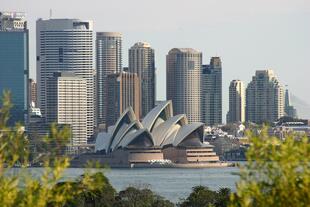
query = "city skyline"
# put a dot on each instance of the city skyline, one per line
(235, 36)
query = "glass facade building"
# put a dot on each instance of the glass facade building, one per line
(14, 71)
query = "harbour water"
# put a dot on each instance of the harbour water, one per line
(171, 183)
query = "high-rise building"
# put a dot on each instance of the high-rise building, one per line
(264, 98)
(66, 96)
(14, 63)
(32, 92)
(123, 91)
(66, 45)
(109, 61)
(237, 101)
(288, 108)
(211, 92)
(183, 74)
(142, 62)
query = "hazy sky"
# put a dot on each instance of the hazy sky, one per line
(248, 35)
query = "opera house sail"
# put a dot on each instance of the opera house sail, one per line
(160, 139)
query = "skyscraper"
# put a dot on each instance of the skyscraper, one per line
(142, 62)
(264, 98)
(211, 92)
(183, 75)
(288, 108)
(14, 63)
(123, 91)
(32, 92)
(236, 111)
(66, 45)
(109, 61)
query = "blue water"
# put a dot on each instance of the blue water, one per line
(171, 183)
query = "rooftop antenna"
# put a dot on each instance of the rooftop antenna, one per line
(51, 13)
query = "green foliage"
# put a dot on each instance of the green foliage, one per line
(204, 197)
(277, 173)
(102, 195)
(18, 187)
(134, 197)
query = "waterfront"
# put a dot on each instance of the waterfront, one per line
(172, 183)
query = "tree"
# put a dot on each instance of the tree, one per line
(19, 188)
(277, 173)
(134, 197)
(103, 196)
(202, 196)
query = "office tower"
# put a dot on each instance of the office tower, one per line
(66, 96)
(66, 45)
(109, 61)
(142, 62)
(288, 108)
(236, 111)
(183, 76)
(32, 92)
(14, 65)
(211, 93)
(123, 91)
(264, 98)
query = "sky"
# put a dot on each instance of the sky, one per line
(248, 35)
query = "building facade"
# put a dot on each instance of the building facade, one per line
(264, 98)
(32, 92)
(123, 91)
(289, 109)
(109, 61)
(67, 104)
(142, 62)
(237, 101)
(183, 75)
(14, 62)
(211, 92)
(66, 45)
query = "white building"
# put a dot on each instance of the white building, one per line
(236, 111)
(66, 45)
(183, 75)
(264, 98)
(67, 104)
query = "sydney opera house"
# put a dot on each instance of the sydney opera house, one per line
(161, 139)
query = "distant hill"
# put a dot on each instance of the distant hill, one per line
(303, 108)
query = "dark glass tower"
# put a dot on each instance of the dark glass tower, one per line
(211, 93)
(14, 64)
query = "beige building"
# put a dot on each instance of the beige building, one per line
(142, 62)
(264, 98)
(109, 61)
(123, 91)
(183, 82)
(236, 111)
(67, 104)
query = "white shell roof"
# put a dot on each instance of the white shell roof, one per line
(128, 113)
(124, 130)
(151, 117)
(131, 137)
(187, 130)
(159, 129)
(160, 133)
